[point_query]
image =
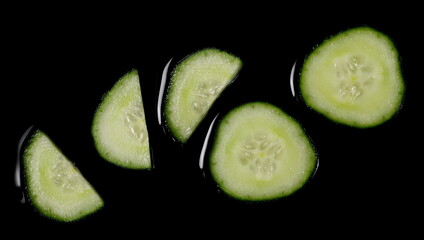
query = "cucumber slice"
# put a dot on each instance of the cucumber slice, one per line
(196, 82)
(354, 78)
(119, 126)
(55, 186)
(261, 153)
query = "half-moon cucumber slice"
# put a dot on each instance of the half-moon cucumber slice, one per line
(119, 126)
(196, 82)
(55, 186)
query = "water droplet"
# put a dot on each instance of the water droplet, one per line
(18, 168)
(162, 88)
(206, 143)
(292, 73)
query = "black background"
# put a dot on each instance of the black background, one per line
(59, 63)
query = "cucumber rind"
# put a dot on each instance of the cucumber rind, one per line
(109, 100)
(396, 98)
(171, 121)
(310, 155)
(39, 204)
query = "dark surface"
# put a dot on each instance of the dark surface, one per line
(58, 68)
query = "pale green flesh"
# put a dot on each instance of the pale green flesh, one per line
(119, 126)
(354, 78)
(55, 186)
(195, 84)
(261, 153)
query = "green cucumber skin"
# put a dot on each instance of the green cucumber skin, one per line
(171, 128)
(313, 154)
(95, 126)
(398, 71)
(31, 196)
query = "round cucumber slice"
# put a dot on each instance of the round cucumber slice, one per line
(354, 78)
(196, 82)
(55, 186)
(261, 153)
(119, 125)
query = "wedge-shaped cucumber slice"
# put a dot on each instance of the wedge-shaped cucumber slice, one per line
(55, 186)
(261, 153)
(354, 78)
(196, 82)
(119, 126)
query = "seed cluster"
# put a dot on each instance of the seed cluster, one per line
(261, 154)
(354, 73)
(134, 120)
(205, 94)
(65, 175)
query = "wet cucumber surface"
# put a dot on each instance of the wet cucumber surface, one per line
(359, 168)
(194, 85)
(261, 153)
(55, 186)
(354, 78)
(119, 125)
